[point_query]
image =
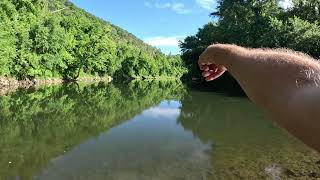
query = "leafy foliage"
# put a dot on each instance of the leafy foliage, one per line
(46, 38)
(255, 23)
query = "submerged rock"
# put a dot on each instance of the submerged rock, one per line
(274, 172)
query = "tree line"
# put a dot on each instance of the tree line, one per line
(55, 39)
(256, 23)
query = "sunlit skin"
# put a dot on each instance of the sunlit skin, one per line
(283, 82)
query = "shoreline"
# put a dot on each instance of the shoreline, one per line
(8, 85)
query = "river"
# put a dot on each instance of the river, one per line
(144, 131)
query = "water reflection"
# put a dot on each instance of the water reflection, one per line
(143, 130)
(246, 143)
(150, 146)
(37, 125)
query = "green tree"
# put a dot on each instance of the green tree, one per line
(47, 38)
(255, 23)
(306, 9)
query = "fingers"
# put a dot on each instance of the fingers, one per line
(210, 78)
(205, 67)
(211, 71)
(203, 60)
(216, 74)
(216, 54)
(206, 74)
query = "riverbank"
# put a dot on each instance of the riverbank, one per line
(8, 84)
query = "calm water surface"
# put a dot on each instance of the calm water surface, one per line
(144, 130)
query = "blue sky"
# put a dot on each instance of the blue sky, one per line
(161, 23)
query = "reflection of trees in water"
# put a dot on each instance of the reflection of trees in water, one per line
(38, 125)
(244, 141)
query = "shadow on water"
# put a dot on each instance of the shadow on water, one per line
(226, 85)
(143, 130)
(246, 143)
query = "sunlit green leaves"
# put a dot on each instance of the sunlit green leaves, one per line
(46, 38)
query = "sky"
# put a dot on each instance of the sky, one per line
(160, 23)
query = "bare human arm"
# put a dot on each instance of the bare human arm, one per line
(283, 82)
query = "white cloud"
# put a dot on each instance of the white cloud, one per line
(161, 41)
(286, 4)
(148, 4)
(162, 6)
(178, 8)
(207, 4)
(158, 112)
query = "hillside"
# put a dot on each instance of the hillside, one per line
(55, 39)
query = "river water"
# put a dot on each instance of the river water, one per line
(144, 131)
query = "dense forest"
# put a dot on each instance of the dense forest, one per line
(55, 39)
(256, 23)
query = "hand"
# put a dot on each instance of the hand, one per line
(212, 61)
(212, 71)
(269, 78)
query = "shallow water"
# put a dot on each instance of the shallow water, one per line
(144, 130)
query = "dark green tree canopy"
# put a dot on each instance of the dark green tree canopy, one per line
(256, 23)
